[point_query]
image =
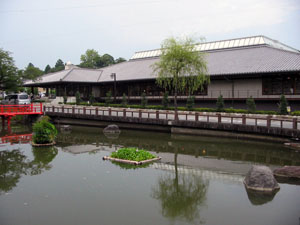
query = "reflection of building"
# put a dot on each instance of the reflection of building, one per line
(239, 68)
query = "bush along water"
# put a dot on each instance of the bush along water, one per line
(220, 104)
(44, 131)
(251, 105)
(132, 154)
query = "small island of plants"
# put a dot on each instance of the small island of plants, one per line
(132, 156)
(44, 132)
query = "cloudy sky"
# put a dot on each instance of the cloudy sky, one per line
(41, 31)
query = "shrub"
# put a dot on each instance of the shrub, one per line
(296, 113)
(132, 154)
(283, 105)
(251, 105)
(144, 100)
(190, 102)
(92, 99)
(220, 104)
(44, 131)
(65, 97)
(165, 101)
(108, 99)
(77, 96)
(124, 100)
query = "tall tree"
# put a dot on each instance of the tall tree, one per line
(59, 65)
(181, 67)
(119, 60)
(9, 77)
(107, 60)
(31, 72)
(47, 69)
(90, 59)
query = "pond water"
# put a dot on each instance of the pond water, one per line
(198, 181)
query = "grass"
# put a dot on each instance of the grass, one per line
(132, 154)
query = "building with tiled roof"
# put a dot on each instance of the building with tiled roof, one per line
(238, 68)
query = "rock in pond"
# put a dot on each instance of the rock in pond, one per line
(260, 178)
(292, 172)
(112, 129)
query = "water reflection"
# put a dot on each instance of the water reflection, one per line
(208, 147)
(14, 164)
(181, 196)
(260, 198)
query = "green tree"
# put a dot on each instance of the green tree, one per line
(190, 102)
(92, 99)
(77, 96)
(9, 76)
(108, 99)
(220, 104)
(166, 100)
(91, 59)
(106, 60)
(47, 69)
(283, 105)
(181, 67)
(251, 104)
(59, 66)
(119, 60)
(144, 100)
(124, 100)
(31, 72)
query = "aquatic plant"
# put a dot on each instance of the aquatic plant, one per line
(133, 154)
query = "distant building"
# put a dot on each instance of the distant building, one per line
(239, 68)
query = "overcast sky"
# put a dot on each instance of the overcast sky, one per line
(42, 31)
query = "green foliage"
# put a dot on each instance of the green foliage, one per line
(124, 100)
(106, 60)
(90, 59)
(77, 96)
(108, 99)
(283, 105)
(65, 97)
(144, 100)
(132, 154)
(32, 73)
(190, 102)
(166, 100)
(59, 66)
(220, 104)
(295, 113)
(119, 60)
(9, 76)
(92, 99)
(44, 131)
(47, 69)
(251, 105)
(180, 67)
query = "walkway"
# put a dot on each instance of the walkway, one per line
(286, 126)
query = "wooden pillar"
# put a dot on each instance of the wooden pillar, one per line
(244, 119)
(295, 123)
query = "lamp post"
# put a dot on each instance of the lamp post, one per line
(113, 76)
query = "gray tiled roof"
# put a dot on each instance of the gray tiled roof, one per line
(238, 61)
(71, 75)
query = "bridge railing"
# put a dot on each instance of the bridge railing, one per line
(21, 109)
(239, 119)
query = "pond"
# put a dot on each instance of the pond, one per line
(199, 180)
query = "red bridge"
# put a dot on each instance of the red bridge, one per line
(8, 111)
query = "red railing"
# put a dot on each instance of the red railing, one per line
(13, 110)
(16, 139)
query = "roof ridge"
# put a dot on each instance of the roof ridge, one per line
(67, 74)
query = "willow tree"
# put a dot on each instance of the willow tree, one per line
(181, 67)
